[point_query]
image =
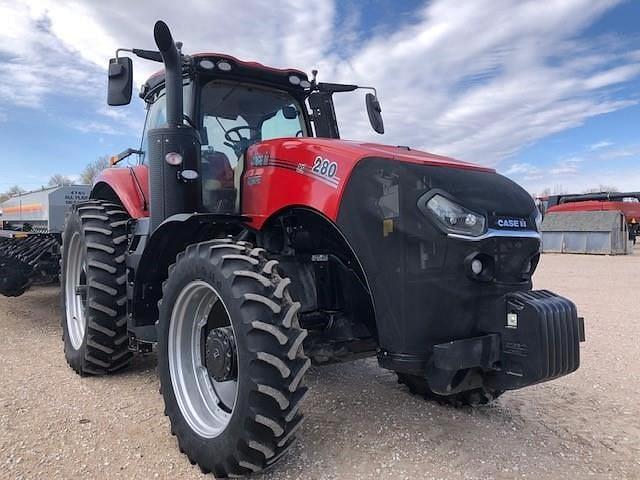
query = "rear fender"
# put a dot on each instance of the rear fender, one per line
(127, 185)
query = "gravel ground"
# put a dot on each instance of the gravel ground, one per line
(359, 422)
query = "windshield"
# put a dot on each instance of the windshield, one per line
(234, 116)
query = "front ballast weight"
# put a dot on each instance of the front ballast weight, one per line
(534, 338)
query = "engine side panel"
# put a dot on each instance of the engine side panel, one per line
(283, 174)
(129, 184)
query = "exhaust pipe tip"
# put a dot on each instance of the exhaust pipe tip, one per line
(173, 72)
(162, 36)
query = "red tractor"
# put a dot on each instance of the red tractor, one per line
(251, 240)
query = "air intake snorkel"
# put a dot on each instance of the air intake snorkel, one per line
(173, 148)
(173, 72)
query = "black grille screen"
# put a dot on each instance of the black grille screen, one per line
(422, 290)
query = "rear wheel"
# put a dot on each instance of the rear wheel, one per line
(230, 358)
(473, 398)
(94, 322)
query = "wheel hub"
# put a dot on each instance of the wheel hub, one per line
(75, 291)
(220, 354)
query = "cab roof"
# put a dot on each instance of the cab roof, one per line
(235, 69)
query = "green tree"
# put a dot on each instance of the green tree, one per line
(59, 180)
(15, 190)
(92, 170)
(602, 188)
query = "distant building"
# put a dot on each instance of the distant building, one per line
(597, 232)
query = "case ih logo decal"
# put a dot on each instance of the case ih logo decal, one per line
(254, 180)
(322, 169)
(260, 159)
(511, 222)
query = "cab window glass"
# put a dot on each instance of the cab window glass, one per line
(285, 123)
(156, 116)
(234, 116)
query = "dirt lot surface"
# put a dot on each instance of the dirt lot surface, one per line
(359, 422)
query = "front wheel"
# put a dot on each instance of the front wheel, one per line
(230, 358)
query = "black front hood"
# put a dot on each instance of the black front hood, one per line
(419, 277)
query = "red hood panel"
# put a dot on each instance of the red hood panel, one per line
(357, 150)
(313, 172)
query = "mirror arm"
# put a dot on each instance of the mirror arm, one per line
(375, 92)
(152, 55)
(122, 155)
(148, 54)
(118, 50)
(335, 87)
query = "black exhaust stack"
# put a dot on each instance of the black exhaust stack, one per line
(169, 193)
(173, 72)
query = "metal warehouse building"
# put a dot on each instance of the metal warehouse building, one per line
(598, 232)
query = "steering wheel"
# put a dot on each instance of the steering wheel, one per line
(239, 144)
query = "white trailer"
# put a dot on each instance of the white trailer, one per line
(30, 228)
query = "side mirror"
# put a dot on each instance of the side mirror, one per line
(374, 112)
(289, 112)
(120, 81)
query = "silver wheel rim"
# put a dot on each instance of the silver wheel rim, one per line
(75, 281)
(205, 404)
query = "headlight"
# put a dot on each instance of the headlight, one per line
(456, 218)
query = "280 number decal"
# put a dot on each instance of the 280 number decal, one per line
(324, 167)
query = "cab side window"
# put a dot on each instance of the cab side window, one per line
(285, 123)
(156, 116)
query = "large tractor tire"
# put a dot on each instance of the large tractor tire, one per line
(230, 358)
(93, 281)
(471, 398)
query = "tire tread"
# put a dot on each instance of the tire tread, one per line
(105, 350)
(275, 380)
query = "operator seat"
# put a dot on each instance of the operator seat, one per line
(219, 193)
(217, 171)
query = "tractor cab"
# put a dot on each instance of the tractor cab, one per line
(232, 105)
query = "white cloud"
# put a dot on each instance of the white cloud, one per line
(95, 127)
(616, 153)
(599, 145)
(35, 63)
(610, 164)
(481, 79)
(525, 171)
(565, 168)
(476, 79)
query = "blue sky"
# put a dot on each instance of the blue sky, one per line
(546, 92)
